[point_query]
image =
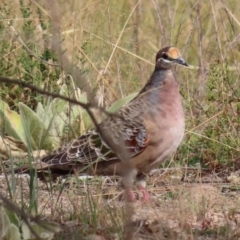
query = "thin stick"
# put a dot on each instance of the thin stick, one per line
(115, 46)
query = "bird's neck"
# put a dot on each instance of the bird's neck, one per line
(158, 79)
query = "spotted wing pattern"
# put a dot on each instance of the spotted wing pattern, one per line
(127, 124)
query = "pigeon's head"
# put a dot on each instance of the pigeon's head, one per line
(169, 56)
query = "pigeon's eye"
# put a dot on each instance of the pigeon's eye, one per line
(164, 56)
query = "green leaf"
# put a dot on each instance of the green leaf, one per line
(35, 132)
(11, 121)
(40, 109)
(121, 102)
(64, 90)
(55, 117)
(11, 226)
(58, 105)
(44, 233)
(83, 98)
(78, 115)
(9, 222)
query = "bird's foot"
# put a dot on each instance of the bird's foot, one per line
(145, 195)
(131, 197)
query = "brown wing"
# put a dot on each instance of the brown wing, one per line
(126, 125)
(90, 148)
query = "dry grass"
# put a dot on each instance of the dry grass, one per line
(181, 210)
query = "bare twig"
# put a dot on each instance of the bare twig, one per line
(65, 62)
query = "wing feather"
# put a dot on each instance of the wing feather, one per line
(127, 124)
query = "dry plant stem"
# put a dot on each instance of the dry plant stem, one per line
(173, 17)
(115, 46)
(65, 63)
(216, 141)
(120, 48)
(235, 40)
(77, 93)
(230, 13)
(200, 37)
(99, 72)
(160, 24)
(216, 31)
(137, 20)
(136, 28)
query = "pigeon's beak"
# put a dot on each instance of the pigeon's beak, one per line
(181, 61)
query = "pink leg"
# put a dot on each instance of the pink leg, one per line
(130, 196)
(146, 196)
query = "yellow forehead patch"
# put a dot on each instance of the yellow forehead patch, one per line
(173, 53)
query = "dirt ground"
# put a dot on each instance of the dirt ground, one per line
(186, 204)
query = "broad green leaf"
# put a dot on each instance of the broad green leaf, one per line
(45, 114)
(40, 109)
(64, 90)
(55, 120)
(121, 102)
(9, 222)
(44, 233)
(83, 98)
(11, 121)
(57, 105)
(78, 115)
(57, 126)
(11, 228)
(11, 216)
(35, 131)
